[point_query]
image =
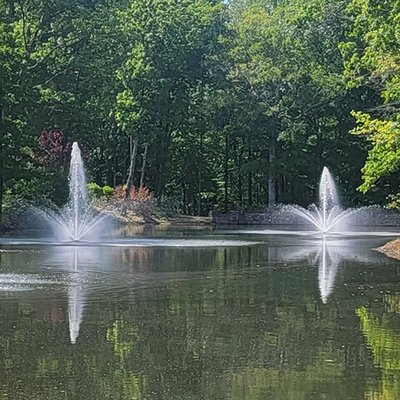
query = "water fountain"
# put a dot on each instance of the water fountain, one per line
(77, 220)
(78, 223)
(328, 216)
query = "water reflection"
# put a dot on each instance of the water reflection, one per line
(380, 326)
(329, 253)
(328, 262)
(76, 295)
(329, 256)
(75, 312)
(210, 323)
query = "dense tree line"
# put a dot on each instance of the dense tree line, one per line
(208, 103)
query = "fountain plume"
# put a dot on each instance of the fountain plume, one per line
(76, 220)
(328, 216)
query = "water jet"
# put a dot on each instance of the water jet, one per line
(328, 216)
(77, 220)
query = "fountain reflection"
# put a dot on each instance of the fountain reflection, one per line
(78, 262)
(76, 299)
(328, 253)
(328, 262)
(75, 312)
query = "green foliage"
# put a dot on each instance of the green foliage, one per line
(107, 191)
(384, 156)
(94, 189)
(371, 53)
(394, 201)
(171, 204)
(218, 97)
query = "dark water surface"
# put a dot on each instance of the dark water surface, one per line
(288, 317)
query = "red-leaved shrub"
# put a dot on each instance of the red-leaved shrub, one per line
(55, 147)
(140, 194)
(136, 194)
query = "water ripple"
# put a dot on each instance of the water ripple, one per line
(176, 243)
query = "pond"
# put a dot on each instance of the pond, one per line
(279, 317)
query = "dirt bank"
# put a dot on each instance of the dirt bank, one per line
(155, 218)
(391, 249)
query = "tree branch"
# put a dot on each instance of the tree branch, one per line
(23, 25)
(55, 48)
(51, 78)
(388, 107)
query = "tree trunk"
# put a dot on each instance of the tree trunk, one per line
(1, 148)
(226, 172)
(1, 190)
(200, 164)
(163, 155)
(184, 206)
(160, 184)
(271, 174)
(249, 178)
(146, 146)
(240, 178)
(129, 183)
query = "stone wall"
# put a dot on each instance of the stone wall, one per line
(265, 218)
(367, 216)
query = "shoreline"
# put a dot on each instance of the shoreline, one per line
(155, 218)
(390, 249)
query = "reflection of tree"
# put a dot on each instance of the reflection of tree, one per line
(123, 336)
(187, 341)
(384, 340)
(392, 303)
(282, 384)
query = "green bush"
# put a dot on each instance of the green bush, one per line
(34, 190)
(108, 191)
(394, 201)
(94, 189)
(13, 209)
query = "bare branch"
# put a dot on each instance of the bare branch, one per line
(54, 49)
(51, 78)
(385, 108)
(35, 35)
(24, 25)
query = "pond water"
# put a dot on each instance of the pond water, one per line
(280, 317)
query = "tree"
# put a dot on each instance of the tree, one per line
(371, 54)
(285, 55)
(166, 56)
(39, 43)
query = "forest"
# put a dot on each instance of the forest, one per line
(205, 104)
